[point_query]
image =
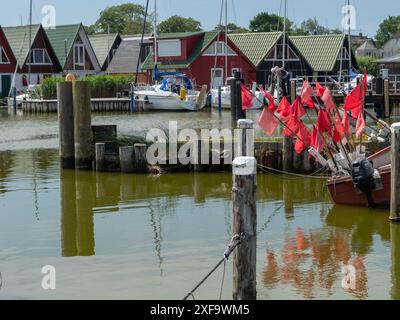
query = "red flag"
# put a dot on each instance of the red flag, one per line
(317, 140)
(360, 123)
(292, 127)
(271, 100)
(353, 99)
(328, 101)
(310, 104)
(365, 82)
(306, 92)
(268, 122)
(346, 123)
(247, 97)
(303, 139)
(284, 109)
(336, 135)
(298, 110)
(324, 122)
(320, 89)
(338, 125)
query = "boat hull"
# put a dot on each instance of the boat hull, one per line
(168, 102)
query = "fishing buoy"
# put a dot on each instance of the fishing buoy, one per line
(182, 93)
(70, 77)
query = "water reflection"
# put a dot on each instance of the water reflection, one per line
(312, 261)
(7, 162)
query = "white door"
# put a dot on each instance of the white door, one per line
(217, 77)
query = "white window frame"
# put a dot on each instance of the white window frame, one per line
(288, 47)
(5, 55)
(81, 62)
(233, 70)
(160, 43)
(214, 52)
(44, 55)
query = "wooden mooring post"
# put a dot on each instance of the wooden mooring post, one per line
(82, 125)
(66, 125)
(236, 98)
(140, 160)
(395, 178)
(245, 143)
(245, 224)
(386, 97)
(126, 157)
(100, 154)
(293, 90)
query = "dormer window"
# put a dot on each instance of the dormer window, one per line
(169, 48)
(219, 48)
(3, 57)
(40, 57)
(79, 55)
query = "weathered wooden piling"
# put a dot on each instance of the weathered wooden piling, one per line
(395, 178)
(100, 156)
(245, 223)
(287, 154)
(140, 160)
(237, 111)
(66, 125)
(386, 97)
(82, 125)
(395, 272)
(293, 90)
(245, 143)
(126, 157)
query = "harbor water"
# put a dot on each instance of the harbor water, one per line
(122, 236)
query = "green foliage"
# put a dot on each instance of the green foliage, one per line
(387, 29)
(312, 27)
(126, 18)
(265, 22)
(179, 24)
(107, 86)
(369, 64)
(48, 89)
(232, 28)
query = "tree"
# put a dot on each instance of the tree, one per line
(265, 22)
(179, 24)
(232, 28)
(125, 19)
(365, 62)
(312, 27)
(387, 29)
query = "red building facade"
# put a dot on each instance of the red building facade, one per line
(7, 65)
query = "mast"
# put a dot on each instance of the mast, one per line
(284, 36)
(30, 43)
(155, 34)
(108, 46)
(349, 34)
(226, 41)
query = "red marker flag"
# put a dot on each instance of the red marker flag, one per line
(247, 97)
(346, 123)
(353, 99)
(292, 127)
(317, 141)
(271, 100)
(284, 109)
(303, 140)
(328, 101)
(339, 126)
(324, 122)
(320, 89)
(268, 122)
(298, 110)
(360, 123)
(306, 92)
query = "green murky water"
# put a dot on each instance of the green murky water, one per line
(117, 236)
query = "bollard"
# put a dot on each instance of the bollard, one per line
(245, 143)
(66, 125)
(126, 157)
(219, 100)
(395, 174)
(100, 151)
(82, 125)
(140, 159)
(245, 223)
(386, 97)
(14, 94)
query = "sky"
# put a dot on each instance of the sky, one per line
(369, 13)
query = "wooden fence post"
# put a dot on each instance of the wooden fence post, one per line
(386, 96)
(82, 125)
(245, 223)
(66, 125)
(395, 178)
(245, 138)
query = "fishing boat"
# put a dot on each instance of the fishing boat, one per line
(369, 184)
(226, 98)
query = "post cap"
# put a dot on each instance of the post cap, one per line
(245, 124)
(244, 166)
(396, 126)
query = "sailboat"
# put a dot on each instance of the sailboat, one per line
(176, 91)
(226, 90)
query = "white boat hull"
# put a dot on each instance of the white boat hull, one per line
(226, 100)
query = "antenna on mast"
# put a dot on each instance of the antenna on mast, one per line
(30, 60)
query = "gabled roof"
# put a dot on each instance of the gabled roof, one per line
(179, 35)
(18, 38)
(62, 39)
(367, 45)
(255, 46)
(126, 57)
(102, 44)
(320, 51)
(203, 43)
(393, 59)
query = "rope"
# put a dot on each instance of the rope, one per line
(236, 241)
(313, 175)
(223, 280)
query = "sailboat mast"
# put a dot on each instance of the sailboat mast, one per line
(155, 34)
(30, 43)
(226, 41)
(284, 35)
(349, 34)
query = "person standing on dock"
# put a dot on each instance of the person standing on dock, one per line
(281, 75)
